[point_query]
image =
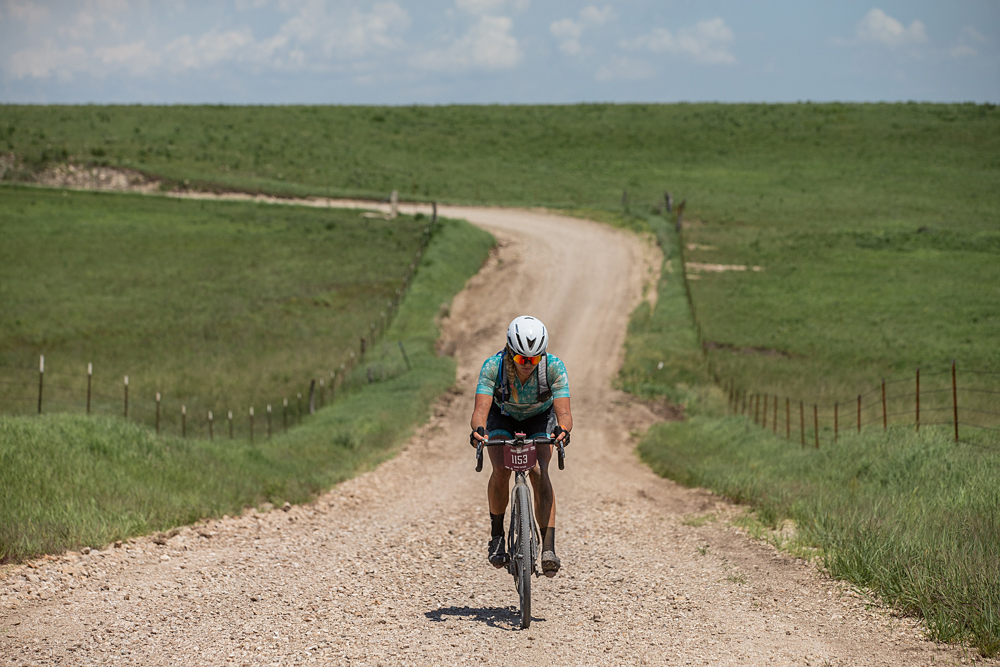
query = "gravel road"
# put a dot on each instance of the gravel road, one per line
(390, 568)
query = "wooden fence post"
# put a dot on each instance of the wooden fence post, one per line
(184, 419)
(405, 357)
(816, 424)
(859, 413)
(802, 422)
(885, 422)
(788, 418)
(434, 212)
(251, 424)
(126, 397)
(230, 424)
(211, 433)
(756, 409)
(268, 421)
(284, 414)
(954, 396)
(774, 417)
(90, 376)
(836, 421)
(157, 413)
(298, 405)
(322, 392)
(763, 422)
(918, 400)
(312, 396)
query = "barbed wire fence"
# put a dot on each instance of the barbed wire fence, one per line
(27, 390)
(973, 403)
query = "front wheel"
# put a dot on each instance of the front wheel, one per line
(522, 556)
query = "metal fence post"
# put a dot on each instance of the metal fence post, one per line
(918, 400)
(41, 374)
(90, 377)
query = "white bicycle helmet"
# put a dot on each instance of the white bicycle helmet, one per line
(527, 336)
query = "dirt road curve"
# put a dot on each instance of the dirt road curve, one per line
(390, 568)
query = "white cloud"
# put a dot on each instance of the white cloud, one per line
(43, 62)
(569, 31)
(706, 42)
(488, 45)
(135, 56)
(965, 47)
(491, 6)
(355, 35)
(208, 49)
(625, 69)
(29, 12)
(879, 27)
(595, 16)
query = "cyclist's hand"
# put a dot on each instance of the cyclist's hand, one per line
(477, 436)
(561, 434)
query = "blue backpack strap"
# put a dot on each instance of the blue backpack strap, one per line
(501, 391)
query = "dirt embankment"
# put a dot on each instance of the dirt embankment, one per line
(390, 568)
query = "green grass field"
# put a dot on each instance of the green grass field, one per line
(218, 306)
(68, 480)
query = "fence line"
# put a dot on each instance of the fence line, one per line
(79, 392)
(746, 402)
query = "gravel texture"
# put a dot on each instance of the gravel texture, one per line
(390, 568)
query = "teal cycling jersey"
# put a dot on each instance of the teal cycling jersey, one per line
(524, 402)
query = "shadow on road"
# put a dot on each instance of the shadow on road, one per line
(508, 618)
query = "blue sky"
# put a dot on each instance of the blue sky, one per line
(496, 51)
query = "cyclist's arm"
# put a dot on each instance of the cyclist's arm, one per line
(480, 412)
(563, 413)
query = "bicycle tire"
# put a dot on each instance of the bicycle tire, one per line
(522, 552)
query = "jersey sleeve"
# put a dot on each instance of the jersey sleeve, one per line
(488, 376)
(558, 380)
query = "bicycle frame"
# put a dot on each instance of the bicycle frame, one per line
(520, 456)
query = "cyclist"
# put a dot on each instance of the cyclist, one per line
(523, 389)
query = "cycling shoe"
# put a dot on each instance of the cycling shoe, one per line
(497, 552)
(550, 563)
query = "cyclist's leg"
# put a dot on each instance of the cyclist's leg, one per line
(498, 490)
(545, 500)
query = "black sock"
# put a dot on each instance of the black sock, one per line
(496, 524)
(549, 539)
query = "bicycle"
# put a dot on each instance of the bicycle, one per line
(523, 539)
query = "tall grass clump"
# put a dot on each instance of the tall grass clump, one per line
(910, 516)
(68, 480)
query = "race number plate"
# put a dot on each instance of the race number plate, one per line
(519, 458)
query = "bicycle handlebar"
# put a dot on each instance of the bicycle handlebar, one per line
(521, 442)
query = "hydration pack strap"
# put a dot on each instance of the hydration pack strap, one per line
(501, 389)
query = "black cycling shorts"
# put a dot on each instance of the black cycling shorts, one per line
(503, 425)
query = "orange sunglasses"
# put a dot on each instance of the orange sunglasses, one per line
(523, 360)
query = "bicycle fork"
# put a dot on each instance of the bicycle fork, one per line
(515, 554)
